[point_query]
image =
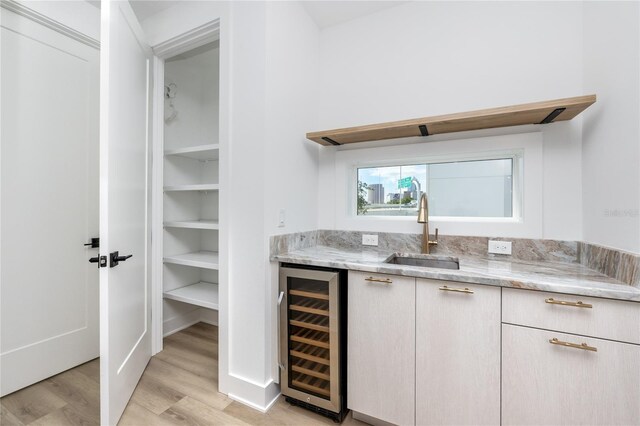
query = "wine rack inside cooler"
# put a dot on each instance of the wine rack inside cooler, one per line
(310, 337)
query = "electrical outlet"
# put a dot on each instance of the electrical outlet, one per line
(369, 240)
(500, 247)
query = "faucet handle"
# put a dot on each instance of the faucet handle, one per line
(434, 242)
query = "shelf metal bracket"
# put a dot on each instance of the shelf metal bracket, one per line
(331, 141)
(549, 118)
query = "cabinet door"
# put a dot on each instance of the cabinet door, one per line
(545, 383)
(457, 353)
(381, 347)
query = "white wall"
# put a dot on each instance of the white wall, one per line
(429, 58)
(181, 18)
(77, 15)
(196, 101)
(291, 161)
(268, 74)
(611, 137)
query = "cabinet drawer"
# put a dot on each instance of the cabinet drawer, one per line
(551, 384)
(604, 318)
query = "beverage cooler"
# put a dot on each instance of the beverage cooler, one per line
(312, 308)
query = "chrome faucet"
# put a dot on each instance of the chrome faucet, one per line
(423, 217)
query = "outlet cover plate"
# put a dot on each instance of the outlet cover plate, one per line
(499, 247)
(369, 239)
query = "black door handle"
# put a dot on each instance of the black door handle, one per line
(116, 259)
(95, 243)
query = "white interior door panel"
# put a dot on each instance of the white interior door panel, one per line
(49, 202)
(125, 311)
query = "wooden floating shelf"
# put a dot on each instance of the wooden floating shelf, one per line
(514, 115)
(200, 294)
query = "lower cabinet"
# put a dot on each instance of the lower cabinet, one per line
(457, 353)
(432, 352)
(381, 347)
(562, 381)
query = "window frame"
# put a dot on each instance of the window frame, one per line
(516, 155)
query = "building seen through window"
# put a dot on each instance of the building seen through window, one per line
(479, 188)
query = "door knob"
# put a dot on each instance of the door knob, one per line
(116, 258)
(95, 243)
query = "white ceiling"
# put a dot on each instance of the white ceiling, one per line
(328, 13)
(325, 13)
(144, 8)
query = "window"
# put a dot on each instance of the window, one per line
(478, 188)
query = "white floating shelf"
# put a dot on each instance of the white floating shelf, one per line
(201, 152)
(200, 259)
(198, 187)
(193, 224)
(201, 294)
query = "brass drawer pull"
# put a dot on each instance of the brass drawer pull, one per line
(378, 280)
(582, 346)
(459, 290)
(577, 304)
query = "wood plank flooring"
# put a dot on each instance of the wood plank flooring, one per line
(178, 387)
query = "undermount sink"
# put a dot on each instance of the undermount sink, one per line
(424, 260)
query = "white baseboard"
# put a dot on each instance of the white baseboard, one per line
(258, 396)
(209, 316)
(180, 322)
(252, 405)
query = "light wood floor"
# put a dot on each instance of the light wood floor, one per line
(178, 387)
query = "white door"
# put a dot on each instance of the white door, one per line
(49, 207)
(125, 311)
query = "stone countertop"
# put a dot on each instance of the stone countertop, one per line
(557, 277)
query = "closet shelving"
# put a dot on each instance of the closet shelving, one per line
(201, 152)
(191, 184)
(199, 259)
(193, 187)
(202, 293)
(191, 224)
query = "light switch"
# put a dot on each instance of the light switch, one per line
(281, 217)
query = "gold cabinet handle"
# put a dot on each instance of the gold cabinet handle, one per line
(459, 290)
(582, 346)
(577, 304)
(378, 280)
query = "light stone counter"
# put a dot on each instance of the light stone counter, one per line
(558, 277)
